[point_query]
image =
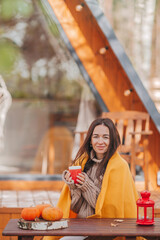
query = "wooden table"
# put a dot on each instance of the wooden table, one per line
(102, 228)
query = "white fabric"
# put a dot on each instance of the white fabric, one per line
(86, 115)
(5, 103)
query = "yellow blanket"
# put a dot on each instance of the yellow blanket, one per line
(118, 195)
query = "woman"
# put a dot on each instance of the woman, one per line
(105, 188)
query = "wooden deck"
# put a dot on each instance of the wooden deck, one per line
(12, 202)
(21, 199)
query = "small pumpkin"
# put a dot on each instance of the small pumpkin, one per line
(30, 213)
(41, 207)
(52, 213)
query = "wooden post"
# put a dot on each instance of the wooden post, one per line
(145, 145)
(133, 156)
(82, 136)
(51, 152)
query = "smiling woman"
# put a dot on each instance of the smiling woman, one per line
(105, 187)
(100, 140)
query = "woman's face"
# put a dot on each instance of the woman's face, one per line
(100, 140)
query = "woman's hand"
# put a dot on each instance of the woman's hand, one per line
(80, 179)
(68, 177)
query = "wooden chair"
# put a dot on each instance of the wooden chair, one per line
(54, 152)
(133, 127)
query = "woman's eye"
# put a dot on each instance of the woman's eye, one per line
(95, 136)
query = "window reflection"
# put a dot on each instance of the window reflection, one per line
(37, 133)
(45, 84)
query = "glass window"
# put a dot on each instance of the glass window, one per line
(46, 88)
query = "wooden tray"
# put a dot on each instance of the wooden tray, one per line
(42, 224)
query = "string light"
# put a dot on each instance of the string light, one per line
(128, 92)
(79, 7)
(103, 50)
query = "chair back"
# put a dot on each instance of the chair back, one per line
(54, 152)
(127, 122)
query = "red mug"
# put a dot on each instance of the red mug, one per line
(74, 170)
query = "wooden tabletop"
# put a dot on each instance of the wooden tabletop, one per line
(91, 227)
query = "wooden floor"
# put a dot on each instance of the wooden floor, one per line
(27, 198)
(21, 199)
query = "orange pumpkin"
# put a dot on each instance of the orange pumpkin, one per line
(30, 213)
(41, 207)
(52, 213)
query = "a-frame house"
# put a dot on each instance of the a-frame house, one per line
(105, 65)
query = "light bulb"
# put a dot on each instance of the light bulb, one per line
(79, 7)
(102, 50)
(128, 92)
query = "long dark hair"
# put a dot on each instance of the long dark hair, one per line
(86, 147)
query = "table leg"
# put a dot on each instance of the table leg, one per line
(25, 237)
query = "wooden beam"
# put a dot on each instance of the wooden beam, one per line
(85, 54)
(31, 185)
